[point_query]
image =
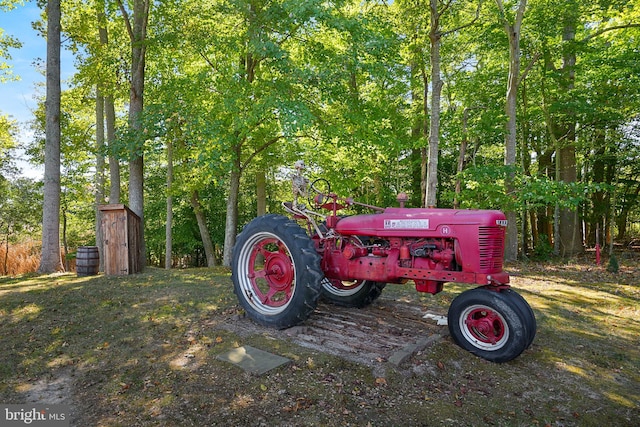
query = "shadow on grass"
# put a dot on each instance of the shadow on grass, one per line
(140, 350)
(588, 329)
(111, 334)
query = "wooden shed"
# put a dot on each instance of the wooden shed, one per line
(121, 242)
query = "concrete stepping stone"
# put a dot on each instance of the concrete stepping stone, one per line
(253, 360)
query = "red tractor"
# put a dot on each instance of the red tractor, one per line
(280, 269)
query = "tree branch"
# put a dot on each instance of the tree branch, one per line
(261, 149)
(605, 30)
(446, 6)
(207, 60)
(520, 13)
(127, 20)
(143, 33)
(468, 24)
(529, 67)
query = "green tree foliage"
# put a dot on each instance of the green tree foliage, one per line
(243, 88)
(77, 159)
(20, 198)
(20, 213)
(7, 42)
(8, 130)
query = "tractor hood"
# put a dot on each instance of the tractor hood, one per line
(420, 222)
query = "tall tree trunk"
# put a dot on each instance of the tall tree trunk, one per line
(609, 201)
(425, 132)
(570, 232)
(109, 114)
(231, 223)
(599, 209)
(543, 224)
(114, 162)
(248, 63)
(168, 249)
(436, 91)
(628, 203)
(417, 194)
(100, 179)
(5, 270)
(419, 129)
(137, 34)
(204, 231)
(513, 33)
(435, 38)
(50, 257)
(65, 242)
(527, 214)
(261, 193)
(462, 155)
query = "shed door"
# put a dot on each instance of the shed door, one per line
(116, 259)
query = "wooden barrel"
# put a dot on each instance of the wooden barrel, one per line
(87, 261)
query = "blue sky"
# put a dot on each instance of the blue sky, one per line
(17, 98)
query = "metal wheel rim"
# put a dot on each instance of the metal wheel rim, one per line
(484, 327)
(342, 288)
(276, 279)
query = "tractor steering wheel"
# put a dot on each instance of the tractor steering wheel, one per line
(322, 189)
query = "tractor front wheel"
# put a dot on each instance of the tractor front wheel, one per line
(276, 272)
(488, 324)
(527, 312)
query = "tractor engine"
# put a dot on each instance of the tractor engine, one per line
(431, 254)
(428, 246)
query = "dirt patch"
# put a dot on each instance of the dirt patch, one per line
(387, 331)
(55, 389)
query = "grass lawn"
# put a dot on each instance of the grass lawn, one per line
(141, 350)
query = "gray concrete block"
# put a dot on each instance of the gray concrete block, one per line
(253, 360)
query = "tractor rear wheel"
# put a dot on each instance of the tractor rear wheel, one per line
(276, 272)
(355, 293)
(488, 324)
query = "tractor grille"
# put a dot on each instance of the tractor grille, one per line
(491, 240)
